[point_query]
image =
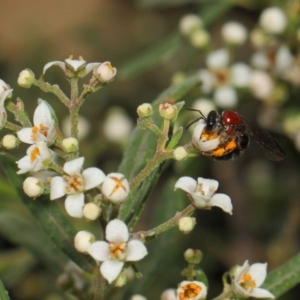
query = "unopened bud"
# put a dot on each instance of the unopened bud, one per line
(105, 72)
(169, 294)
(70, 144)
(33, 187)
(179, 153)
(189, 23)
(26, 78)
(234, 33)
(273, 20)
(91, 211)
(138, 297)
(186, 224)
(193, 256)
(9, 141)
(200, 38)
(168, 111)
(145, 110)
(83, 240)
(121, 280)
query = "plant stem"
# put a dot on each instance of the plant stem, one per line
(12, 126)
(164, 226)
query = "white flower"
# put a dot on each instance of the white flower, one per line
(43, 129)
(234, 33)
(118, 250)
(226, 97)
(73, 65)
(138, 297)
(202, 193)
(200, 141)
(169, 294)
(191, 290)
(73, 184)
(218, 59)
(204, 105)
(33, 187)
(189, 23)
(273, 20)
(247, 279)
(115, 187)
(240, 74)
(105, 72)
(83, 240)
(261, 84)
(5, 93)
(37, 158)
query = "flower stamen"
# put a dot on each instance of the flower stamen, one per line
(190, 291)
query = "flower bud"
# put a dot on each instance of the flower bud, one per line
(189, 23)
(3, 87)
(9, 141)
(169, 294)
(121, 280)
(193, 256)
(273, 20)
(70, 144)
(115, 187)
(33, 187)
(138, 297)
(179, 153)
(200, 38)
(83, 240)
(234, 33)
(26, 78)
(91, 211)
(258, 38)
(105, 72)
(186, 224)
(168, 111)
(145, 110)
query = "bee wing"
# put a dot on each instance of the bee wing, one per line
(271, 147)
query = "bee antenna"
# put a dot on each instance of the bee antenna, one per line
(199, 111)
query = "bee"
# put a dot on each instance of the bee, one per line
(228, 136)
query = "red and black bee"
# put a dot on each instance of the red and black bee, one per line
(229, 134)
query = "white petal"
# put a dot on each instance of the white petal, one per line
(56, 63)
(92, 177)
(218, 59)
(225, 97)
(58, 187)
(110, 269)
(74, 166)
(75, 64)
(284, 59)
(240, 73)
(74, 205)
(90, 67)
(42, 115)
(3, 115)
(200, 201)
(261, 293)
(223, 201)
(187, 184)
(99, 250)
(24, 164)
(258, 272)
(25, 135)
(116, 231)
(136, 250)
(207, 187)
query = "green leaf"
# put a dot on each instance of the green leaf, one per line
(141, 148)
(282, 279)
(49, 216)
(3, 292)
(151, 57)
(26, 233)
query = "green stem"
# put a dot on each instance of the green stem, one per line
(12, 126)
(74, 89)
(88, 89)
(74, 121)
(161, 143)
(56, 168)
(54, 89)
(164, 226)
(152, 164)
(19, 113)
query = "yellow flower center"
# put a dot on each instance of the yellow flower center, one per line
(117, 251)
(190, 291)
(34, 154)
(42, 129)
(247, 282)
(75, 183)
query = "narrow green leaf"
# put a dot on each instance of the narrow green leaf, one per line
(49, 216)
(3, 292)
(282, 279)
(141, 148)
(151, 57)
(25, 233)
